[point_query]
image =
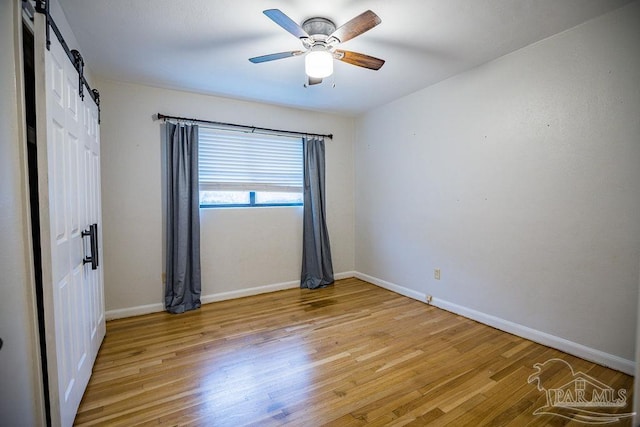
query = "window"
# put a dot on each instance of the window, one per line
(249, 170)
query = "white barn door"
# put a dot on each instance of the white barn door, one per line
(69, 187)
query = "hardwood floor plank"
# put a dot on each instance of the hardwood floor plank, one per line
(351, 354)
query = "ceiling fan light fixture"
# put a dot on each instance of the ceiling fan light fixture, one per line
(318, 63)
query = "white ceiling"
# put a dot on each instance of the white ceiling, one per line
(204, 45)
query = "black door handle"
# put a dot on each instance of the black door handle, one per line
(92, 233)
(95, 246)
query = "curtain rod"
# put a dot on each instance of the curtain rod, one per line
(246, 127)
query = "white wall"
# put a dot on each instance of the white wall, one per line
(20, 392)
(520, 180)
(241, 248)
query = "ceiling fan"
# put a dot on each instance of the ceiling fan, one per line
(320, 38)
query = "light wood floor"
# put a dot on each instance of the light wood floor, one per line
(348, 355)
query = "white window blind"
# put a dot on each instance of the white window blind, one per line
(238, 161)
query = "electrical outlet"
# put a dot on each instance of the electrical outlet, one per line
(436, 274)
(429, 298)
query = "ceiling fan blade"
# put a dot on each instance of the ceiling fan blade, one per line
(359, 59)
(285, 22)
(274, 56)
(358, 25)
(313, 81)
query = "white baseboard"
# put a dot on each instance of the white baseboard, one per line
(133, 311)
(345, 275)
(392, 287)
(221, 296)
(240, 293)
(579, 350)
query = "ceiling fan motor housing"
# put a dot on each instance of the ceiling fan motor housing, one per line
(319, 28)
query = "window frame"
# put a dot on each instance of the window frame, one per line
(252, 203)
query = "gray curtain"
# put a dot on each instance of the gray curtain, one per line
(317, 269)
(182, 292)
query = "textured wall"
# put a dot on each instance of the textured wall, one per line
(520, 180)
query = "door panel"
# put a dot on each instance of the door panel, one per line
(70, 202)
(95, 301)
